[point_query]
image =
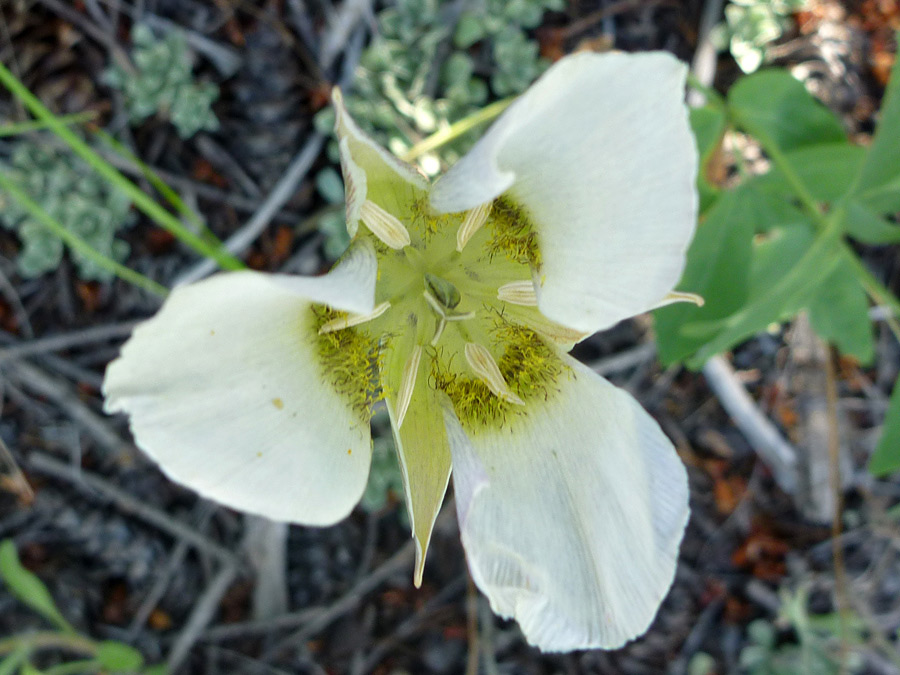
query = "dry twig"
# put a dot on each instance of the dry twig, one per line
(95, 486)
(61, 394)
(201, 615)
(775, 452)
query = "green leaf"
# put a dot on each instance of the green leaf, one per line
(118, 657)
(839, 313)
(837, 305)
(30, 590)
(773, 254)
(772, 104)
(793, 287)
(79, 667)
(11, 663)
(881, 166)
(158, 669)
(775, 208)
(827, 170)
(717, 268)
(886, 458)
(708, 124)
(868, 227)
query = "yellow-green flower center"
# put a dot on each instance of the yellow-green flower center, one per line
(455, 305)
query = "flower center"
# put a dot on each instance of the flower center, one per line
(455, 304)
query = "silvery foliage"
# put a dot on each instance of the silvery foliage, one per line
(428, 67)
(162, 84)
(751, 26)
(73, 195)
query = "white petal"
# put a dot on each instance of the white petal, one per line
(225, 391)
(370, 171)
(600, 155)
(572, 517)
(349, 286)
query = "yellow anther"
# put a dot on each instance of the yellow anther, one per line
(407, 383)
(473, 222)
(384, 225)
(353, 319)
(484, 366)
(518, 293)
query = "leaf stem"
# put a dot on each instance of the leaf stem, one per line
(779, 159)
(49, 640)
(171, 196)
(142, 200)
(457, 129)
(877, 291)
(18, 128)
(78, 244)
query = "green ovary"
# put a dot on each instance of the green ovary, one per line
(441, 299)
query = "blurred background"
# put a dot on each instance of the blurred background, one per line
(777, 394)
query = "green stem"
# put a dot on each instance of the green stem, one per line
(712, 96)
(33, 125)
(75, 668)
(76, 243)
(780, 161)
(49, 640)
(171, 196)
(877, 291)
(143, 201)
(455, 130)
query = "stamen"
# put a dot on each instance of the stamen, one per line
(384, 225)
(486, 369)
(471, 224)
(680, 296)
(518, 293)
(407, 382)
(353, 319)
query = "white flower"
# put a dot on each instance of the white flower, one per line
(456, 304)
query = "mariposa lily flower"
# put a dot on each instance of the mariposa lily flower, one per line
(456, 304)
